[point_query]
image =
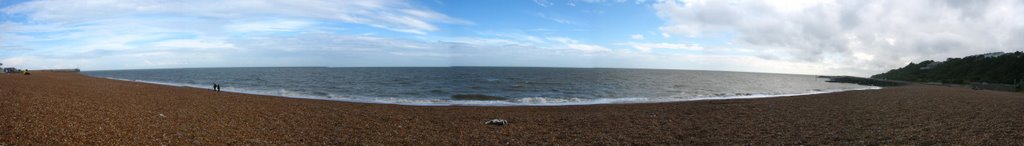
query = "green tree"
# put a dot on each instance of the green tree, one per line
(1007, 68)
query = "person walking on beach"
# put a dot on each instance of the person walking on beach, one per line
(216, 87)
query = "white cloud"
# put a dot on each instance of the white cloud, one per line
(587, 48)
(194, 44)
(810, 37)
(563, 40)
(514, 38)
(274, 25)
(543, 3)
(533, 39)
(559, 20)
(869, 36)
(394, 15)
(648, 47)
(637, 36)
(575, 45)
(113, 34)
(486, 41)
(423, 54)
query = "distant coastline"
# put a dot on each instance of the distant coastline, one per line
(991, 71)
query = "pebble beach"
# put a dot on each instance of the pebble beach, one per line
(73, 109)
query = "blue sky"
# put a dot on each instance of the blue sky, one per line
(787, 36)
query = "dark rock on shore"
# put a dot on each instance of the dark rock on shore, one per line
(862, 81)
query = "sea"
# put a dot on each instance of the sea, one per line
(506, 86)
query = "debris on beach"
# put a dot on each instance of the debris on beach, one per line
(498, 122)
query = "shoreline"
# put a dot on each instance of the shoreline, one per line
(65, 108)
(503, 103)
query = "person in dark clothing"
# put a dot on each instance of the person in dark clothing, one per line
(216, 87)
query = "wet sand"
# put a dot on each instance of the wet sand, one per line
(69, 108)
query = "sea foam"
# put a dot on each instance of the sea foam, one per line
(507, 86)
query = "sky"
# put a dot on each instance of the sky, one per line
(841, 37)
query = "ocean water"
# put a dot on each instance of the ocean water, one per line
(514, 85)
